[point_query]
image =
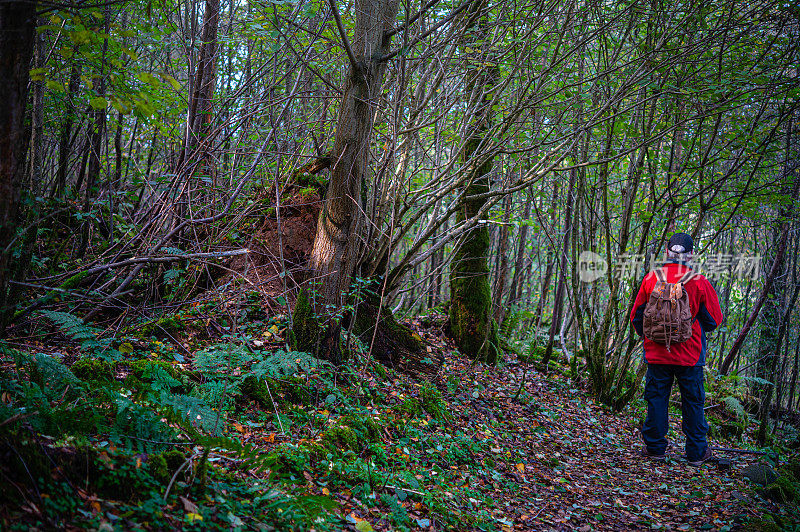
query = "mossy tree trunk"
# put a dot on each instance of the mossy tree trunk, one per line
(471, 323)
(337, 244)
(389, 341)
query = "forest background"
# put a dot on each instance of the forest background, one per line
(344, 165)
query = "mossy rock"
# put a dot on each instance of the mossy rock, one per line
(257, 390)
(93, 370)
(760, 473)
(365, 426)
(289, 459)
(340, 439)
(350, 433)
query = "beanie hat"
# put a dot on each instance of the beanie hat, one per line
(680, 243)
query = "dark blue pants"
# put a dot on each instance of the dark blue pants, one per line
(657, 388)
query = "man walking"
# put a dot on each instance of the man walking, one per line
(673, 311)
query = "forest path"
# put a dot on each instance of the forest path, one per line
(570, 464)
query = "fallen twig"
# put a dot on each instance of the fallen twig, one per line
(738, 451)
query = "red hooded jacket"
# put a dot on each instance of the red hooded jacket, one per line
(706, 311)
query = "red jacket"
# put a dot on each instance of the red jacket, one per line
(705, 308)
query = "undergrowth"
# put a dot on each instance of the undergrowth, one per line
(237, 436)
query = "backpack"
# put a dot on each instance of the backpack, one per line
(667, 315)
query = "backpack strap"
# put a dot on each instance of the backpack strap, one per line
(688, 276)
(660, 275)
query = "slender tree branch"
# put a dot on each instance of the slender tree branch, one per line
(345, 41)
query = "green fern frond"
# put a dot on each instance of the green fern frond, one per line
(735, 406)
(222, 359)
(282, 364)
(71, 325)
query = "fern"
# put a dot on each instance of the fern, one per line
(89, 337)
(735, 406)
(194, 410)
(282, 364)
(755, 380)
(71, 325)
(510, 323)
(222, 359)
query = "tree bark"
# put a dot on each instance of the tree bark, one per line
(471, 322)
(17, 32)
(337, 243)
(196, 157)
(519, 260)
(502, 269)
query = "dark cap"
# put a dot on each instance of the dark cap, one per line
(681, 242)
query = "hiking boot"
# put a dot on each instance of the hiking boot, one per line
(708, 455)
(660, 457)
(647, 454)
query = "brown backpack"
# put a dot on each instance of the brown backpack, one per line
(667, 315)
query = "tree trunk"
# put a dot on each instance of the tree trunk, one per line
(519, 260)
(471, 323)
(17, 32)
(196, 158)
(60, 184)
(337, 244)
(777, 265)
(502, 270)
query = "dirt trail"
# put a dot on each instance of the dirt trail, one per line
(577, 466)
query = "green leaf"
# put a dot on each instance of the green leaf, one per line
(172, 81)
(148, 78)
(125, 348)
(98, 102)
(364, 526)
(54, 85)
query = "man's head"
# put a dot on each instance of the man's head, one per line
(679, 247)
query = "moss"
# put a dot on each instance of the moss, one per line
(393, 343)
(340, 438)
(732, 430)
(307, 192)
(157, 466)
(532, 355)
(432, 402)
(289, 459)
(364, 425)
(163, 466)
(429, 401)
(309, 180)
(306, 332)
(471, 324)
(783, 490)
(292, 390)
(93, 370)
(168, 324)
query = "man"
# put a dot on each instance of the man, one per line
(681, 361)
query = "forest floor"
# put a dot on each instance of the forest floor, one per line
(374, 449)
